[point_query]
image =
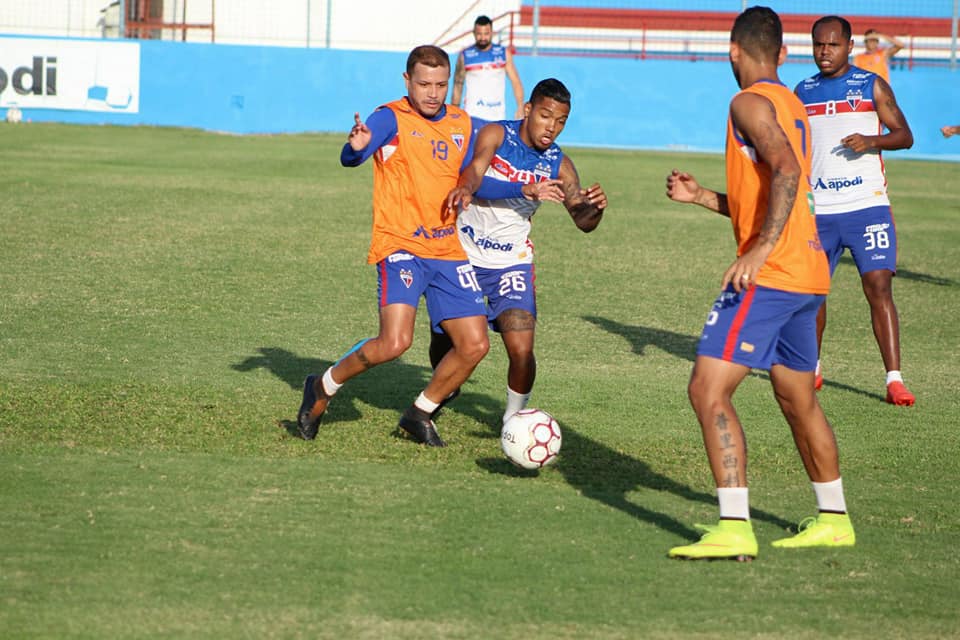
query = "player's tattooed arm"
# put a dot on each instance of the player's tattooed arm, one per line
(898, 134)
(586, 206)
(459, 74)
(755, 117)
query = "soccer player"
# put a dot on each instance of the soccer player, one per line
(516, 166)
(848, 108)
(765, 315)
(481, 71)
(419, 146)
(876, 58)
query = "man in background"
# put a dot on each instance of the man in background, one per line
(480, 76)
(877, 58)
(848, 110)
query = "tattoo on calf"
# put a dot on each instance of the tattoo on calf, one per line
(363, 359)
(725, 441)
(732, 479)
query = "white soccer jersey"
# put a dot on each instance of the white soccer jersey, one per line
(484, 84)
(842, 180)
(494, 233)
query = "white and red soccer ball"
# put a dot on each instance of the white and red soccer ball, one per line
(531, 439)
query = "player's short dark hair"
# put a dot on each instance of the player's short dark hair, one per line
(482, 21)
(871, 32)
(428, 55)
(845, 31)
(759, 33)
(550, 88)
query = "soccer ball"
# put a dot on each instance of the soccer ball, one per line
(531, 439)
(14, 114)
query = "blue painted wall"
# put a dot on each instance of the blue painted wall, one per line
(617, 102)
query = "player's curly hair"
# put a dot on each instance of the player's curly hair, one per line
(429, 55)
(759, 33)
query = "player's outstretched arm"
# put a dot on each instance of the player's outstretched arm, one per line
(489, 138)
(950, 130)
(756, 119)
(898, 136)
(683, 187)
(586, 206)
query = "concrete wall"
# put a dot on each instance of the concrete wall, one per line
(616, 102)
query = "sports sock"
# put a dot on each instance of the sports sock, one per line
(329, 386)
(817, 372)
(515, 402)
(425, 404)
(734, 503)
(894, 376)
(830, 496)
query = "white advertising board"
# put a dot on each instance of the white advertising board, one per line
(84, 75)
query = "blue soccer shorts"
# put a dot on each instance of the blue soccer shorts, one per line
(508, 288)
(869, 234)
(449, 286)
(760, 327)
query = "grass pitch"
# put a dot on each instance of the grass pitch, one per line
(164, 292)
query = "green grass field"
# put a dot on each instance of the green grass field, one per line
(164, 292)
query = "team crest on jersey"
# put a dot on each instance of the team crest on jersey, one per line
(457, 140)
(406, 277)
(542, 171)
(854, 98)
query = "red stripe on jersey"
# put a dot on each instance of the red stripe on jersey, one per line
(820, 108)
(733, 336)
(382, 266)
(501, 166)
(485, 65)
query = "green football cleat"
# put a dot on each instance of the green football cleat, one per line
(728, 540)
(825, 530)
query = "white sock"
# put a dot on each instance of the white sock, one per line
(734, 502)
(830, 496)
(817, 372)
(894, 376)
(515, 402)
(329, 386)
(425, 404)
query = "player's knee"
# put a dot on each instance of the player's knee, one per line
(697, 391)
(474, 350)
(878, 286)
(395, 346)
(521, 354)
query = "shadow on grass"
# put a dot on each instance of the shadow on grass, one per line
(907, 274)
(392, 385)
(607, 476)
(597, 471)
(685, 347)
